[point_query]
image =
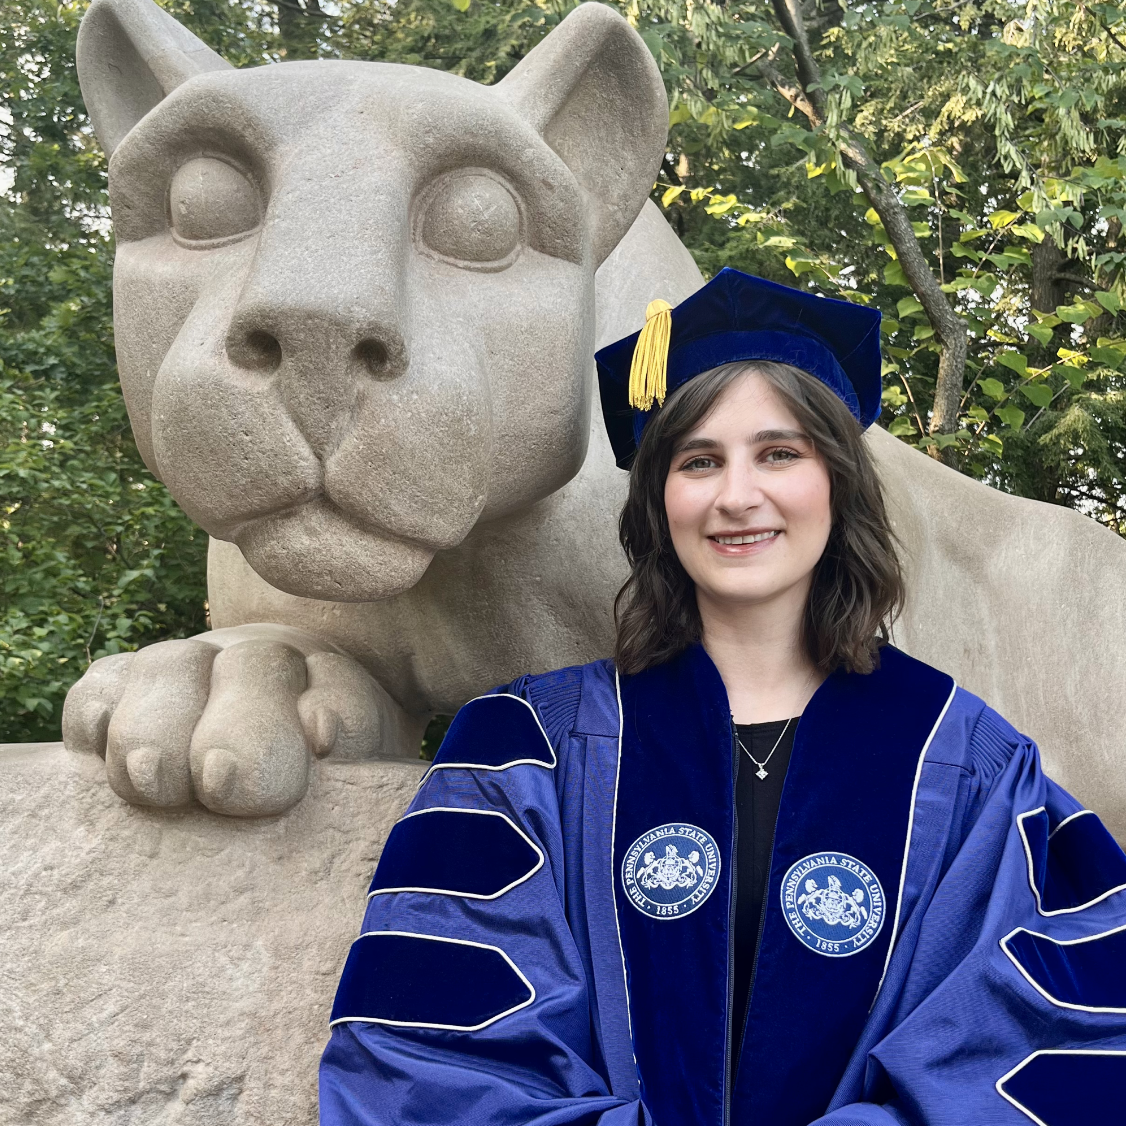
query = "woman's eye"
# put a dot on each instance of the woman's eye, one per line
(471, 219)
(699, 463)
(780, 457)
(210, 201)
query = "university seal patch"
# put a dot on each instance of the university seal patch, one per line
(833, 903)
(669, 871)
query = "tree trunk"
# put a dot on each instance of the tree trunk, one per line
(1046, 292)
(949, 328)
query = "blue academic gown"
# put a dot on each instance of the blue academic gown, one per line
(548, 938)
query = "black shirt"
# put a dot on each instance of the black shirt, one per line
(756, 813)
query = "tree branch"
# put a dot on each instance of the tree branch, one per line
(1074, 279)
(942, 11)
(906, 113)
(950, 329)
(809, 74)
(789, 90)
(1106, 28)
(752, 60)
(312, 7)
(670, 171)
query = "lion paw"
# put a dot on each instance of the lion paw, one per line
(234, 725)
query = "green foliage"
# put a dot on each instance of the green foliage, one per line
(96, 557)
(482, 42)
(1001, 126)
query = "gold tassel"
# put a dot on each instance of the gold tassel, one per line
(648, 373)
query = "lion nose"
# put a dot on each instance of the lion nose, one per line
(254, 350)
(320, 362)
(260, 341)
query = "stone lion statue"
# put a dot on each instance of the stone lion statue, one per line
(355, 308)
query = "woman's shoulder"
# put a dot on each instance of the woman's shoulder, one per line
(980, 737)
(578, 699)
(970, 733)
(508, 726)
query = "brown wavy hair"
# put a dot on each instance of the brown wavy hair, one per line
(857, 590)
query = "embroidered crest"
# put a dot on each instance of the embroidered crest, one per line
(833, 903)
(670, 870)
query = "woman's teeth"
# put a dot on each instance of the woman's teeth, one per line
(745, 539)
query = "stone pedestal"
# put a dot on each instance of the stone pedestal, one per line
(174, 968)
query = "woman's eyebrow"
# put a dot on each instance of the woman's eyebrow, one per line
(780, 436)
(704, 443)
(696, 444)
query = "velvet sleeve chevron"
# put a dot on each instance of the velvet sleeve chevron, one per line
(468, 995)
(1009, 1003)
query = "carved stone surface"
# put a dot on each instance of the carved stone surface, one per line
(163, 968)
(1024, 604)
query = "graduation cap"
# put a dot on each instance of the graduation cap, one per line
(737, 316)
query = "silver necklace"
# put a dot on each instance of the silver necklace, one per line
(761, 773)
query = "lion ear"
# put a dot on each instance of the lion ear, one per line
(593, 91)
(131, 55)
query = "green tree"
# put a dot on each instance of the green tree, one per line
(96, 556)
(963, 170)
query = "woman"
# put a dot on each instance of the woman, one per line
(605, 906)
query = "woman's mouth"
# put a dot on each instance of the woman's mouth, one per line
(748, 537)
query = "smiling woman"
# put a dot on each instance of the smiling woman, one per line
(759, 449)
(787, 875)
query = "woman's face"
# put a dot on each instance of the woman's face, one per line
(747, 500)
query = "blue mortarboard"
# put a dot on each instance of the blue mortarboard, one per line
(739, 317)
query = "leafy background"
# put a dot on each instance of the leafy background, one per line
(959, 164)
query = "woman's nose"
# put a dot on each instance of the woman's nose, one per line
(740, 491)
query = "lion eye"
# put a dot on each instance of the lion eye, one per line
(471, 219)
(211, 201)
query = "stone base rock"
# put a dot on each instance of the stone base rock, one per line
(162, 968)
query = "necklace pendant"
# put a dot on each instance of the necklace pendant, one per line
(760, 773)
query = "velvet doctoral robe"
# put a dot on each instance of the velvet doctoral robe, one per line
(548, 938)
